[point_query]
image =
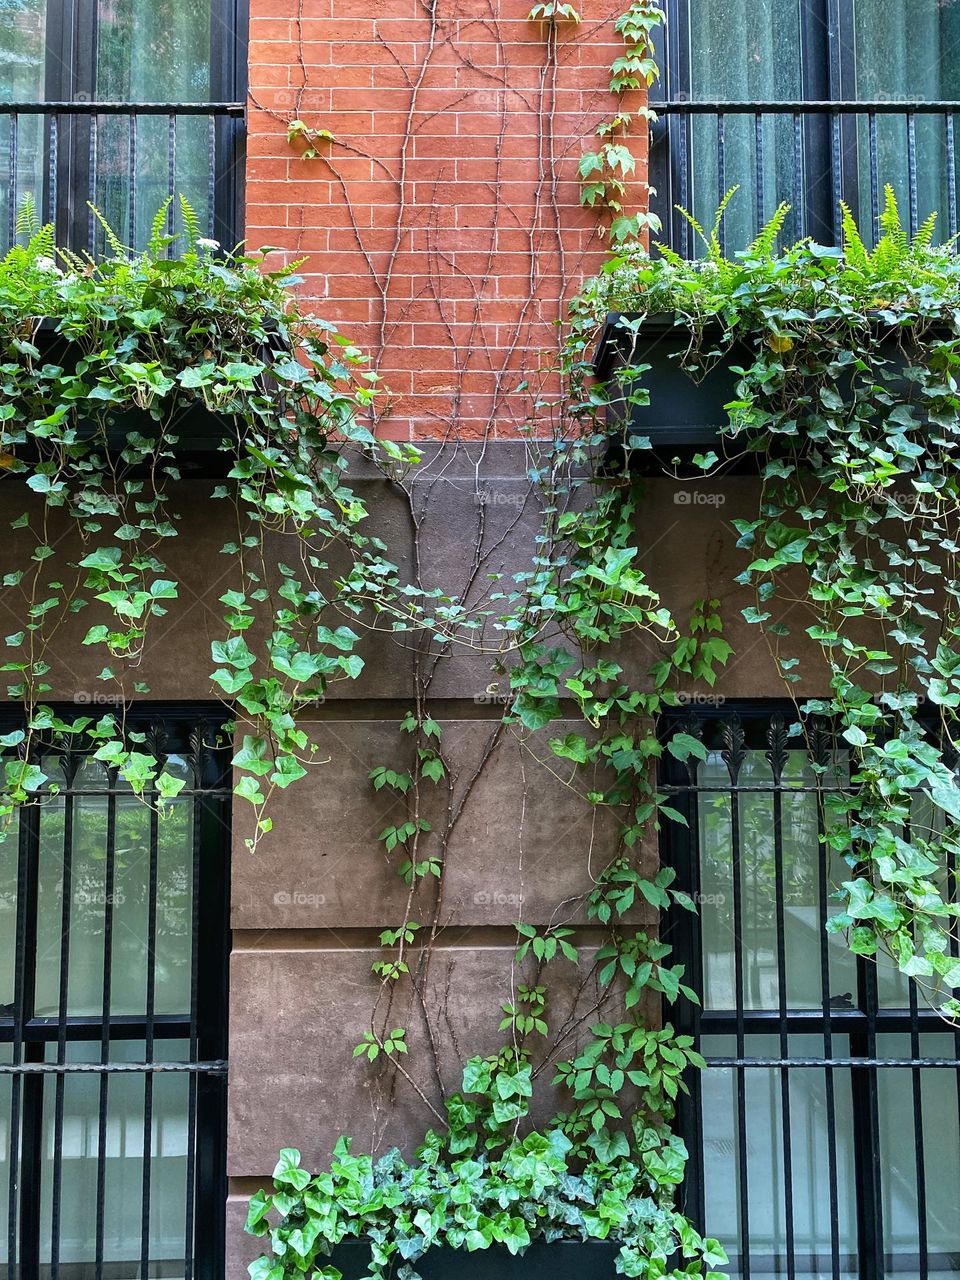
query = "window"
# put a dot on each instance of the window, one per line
(113, 952)
(108, 61)
(859, 61)
(824, 1133)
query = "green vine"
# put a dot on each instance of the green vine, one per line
(102, 363)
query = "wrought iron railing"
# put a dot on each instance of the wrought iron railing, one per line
(811, 155)
(819, 1130)
(113, 953)
(124, 158)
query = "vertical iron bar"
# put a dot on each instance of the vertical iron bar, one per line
(799, 203)
(758, 159)
(109, 886)
(20, 1208)
(12, 187)
(912, 170)
(212, 179)
(776, 759)
(62, 1010)
(132, 230)
(874, 175)
(835, 179)
(198, 764)
(823, 890)
(54, 160)
(171, 172)
(91, 217)
(734, 764)
(151, 959)
(685, 129)
(951, 176)
(917, 1084)
(721, 174)
(866, 1121)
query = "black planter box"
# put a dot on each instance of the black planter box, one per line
(198, 431)
(686, 413)
(683, 412)
(594, 1260)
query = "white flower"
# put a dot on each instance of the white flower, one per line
(207, 244)
(44, 263)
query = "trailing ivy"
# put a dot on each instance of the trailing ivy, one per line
(101, 364)
(850, 400)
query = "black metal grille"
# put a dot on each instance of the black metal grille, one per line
(825, 1132)
(811, 155)
(124, 158)
(112, 1039)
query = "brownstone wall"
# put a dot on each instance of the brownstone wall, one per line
(307, 908)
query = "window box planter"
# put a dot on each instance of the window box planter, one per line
(682, 412)
(685, 414)
(198, 430)
(589, 1260)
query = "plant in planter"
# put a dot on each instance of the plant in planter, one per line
(105, 366)
(842, 369)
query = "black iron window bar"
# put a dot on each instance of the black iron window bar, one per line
(39, 1086)
(730, 734)
(75, 165)
(817, 153)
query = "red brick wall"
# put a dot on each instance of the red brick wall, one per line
(443, 226)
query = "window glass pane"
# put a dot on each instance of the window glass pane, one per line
(22, 77)
(930, 29)
(804, 940)
(9, 860)
(124, 1148)
(810, 1110)
(135, 826)
(6, 1146)
(898, 1156)
(743, 51)
(152, 53)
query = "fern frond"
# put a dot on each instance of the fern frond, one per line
(113, 240)
(716, 252)
(671, 255)
(890, 219)
(191, 223)
(766, 242)
(28, 224)
(158, 237)
(693, 223)
(855, 251)
(924, 237)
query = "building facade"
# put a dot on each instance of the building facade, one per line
(420, 161)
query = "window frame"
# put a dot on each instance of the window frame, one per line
(828, 74)
(863, 1024)
(70, 77)
(204, 1026)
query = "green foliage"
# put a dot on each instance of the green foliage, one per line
(102, 362)
(551, 11)
(471, 1187)
(850, 401)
